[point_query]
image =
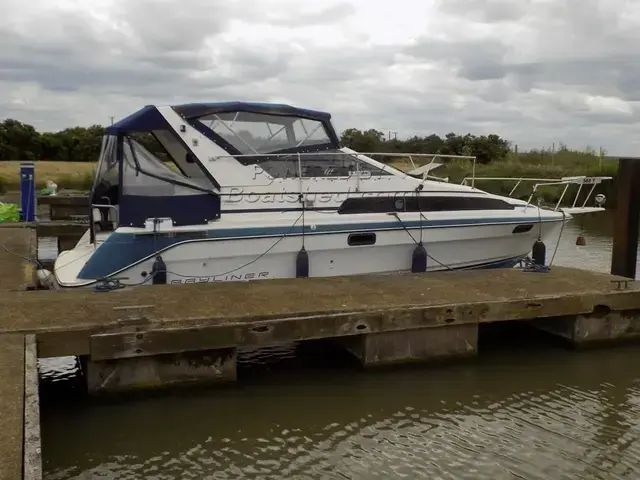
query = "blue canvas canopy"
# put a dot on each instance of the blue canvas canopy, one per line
(149, 118)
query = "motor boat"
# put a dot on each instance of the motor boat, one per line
(247, 191)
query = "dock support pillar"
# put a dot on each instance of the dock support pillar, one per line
(599, 328)
(413, 346)
(627, 219)
(160, 371)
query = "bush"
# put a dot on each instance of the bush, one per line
(9, 212)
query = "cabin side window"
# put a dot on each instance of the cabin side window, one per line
(361, 239)
(426, 203)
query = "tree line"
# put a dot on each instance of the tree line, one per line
(20, 141)
(485, 148)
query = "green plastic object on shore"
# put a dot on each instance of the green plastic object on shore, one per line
(50, 189)
(9, 212)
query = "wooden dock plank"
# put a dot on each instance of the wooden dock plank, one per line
(11, 405)
(53, 228)
(64, 197)
(73, 200)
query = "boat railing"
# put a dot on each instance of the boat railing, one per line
(580, 180)
(107, 206)
(347, 163)
(350, 163)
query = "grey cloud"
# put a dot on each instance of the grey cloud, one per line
(328, 15)
(587, 44)
(477, 59)
(493, 91)
(158, 26)
(518, 68)
(487, 11)
(479, 71)
(152, 48)
(333, 65)
(80, 57)
(617, 75)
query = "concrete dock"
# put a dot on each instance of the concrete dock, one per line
(20, 440)
(157, 336)
(11, 405)
(17, 247)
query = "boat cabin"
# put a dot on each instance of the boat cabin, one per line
(202, 148)
(133, 185)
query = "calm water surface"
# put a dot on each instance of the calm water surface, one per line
(527, 408)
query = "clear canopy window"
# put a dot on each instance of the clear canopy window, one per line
(145, 174)
(260, 133)
(142, 174)
(332, 163)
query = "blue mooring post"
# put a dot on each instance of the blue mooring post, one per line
(27, 192)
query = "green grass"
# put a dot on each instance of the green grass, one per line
(67, 175)
(79, 175)
(543, 166)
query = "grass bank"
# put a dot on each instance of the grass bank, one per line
(79, 175)
(67, 175)
(530, 165)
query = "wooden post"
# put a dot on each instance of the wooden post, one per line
(627, 219)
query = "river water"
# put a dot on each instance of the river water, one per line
(526, 408)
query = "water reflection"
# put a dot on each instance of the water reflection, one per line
(524, 409)
(596, 254)
(572, 416)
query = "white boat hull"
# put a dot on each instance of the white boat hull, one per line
(269, 257)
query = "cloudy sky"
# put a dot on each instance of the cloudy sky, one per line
(533, 71)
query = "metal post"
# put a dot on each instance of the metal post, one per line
(27, 192)
(627, 219)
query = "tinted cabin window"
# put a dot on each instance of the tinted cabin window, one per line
(421, 204)
(523, 228)
(359, 239)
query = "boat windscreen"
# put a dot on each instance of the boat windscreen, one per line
(260, 133)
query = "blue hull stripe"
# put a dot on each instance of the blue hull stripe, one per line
(394, 224)
(122, 250)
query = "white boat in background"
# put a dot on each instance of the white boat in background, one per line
(264, 191)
